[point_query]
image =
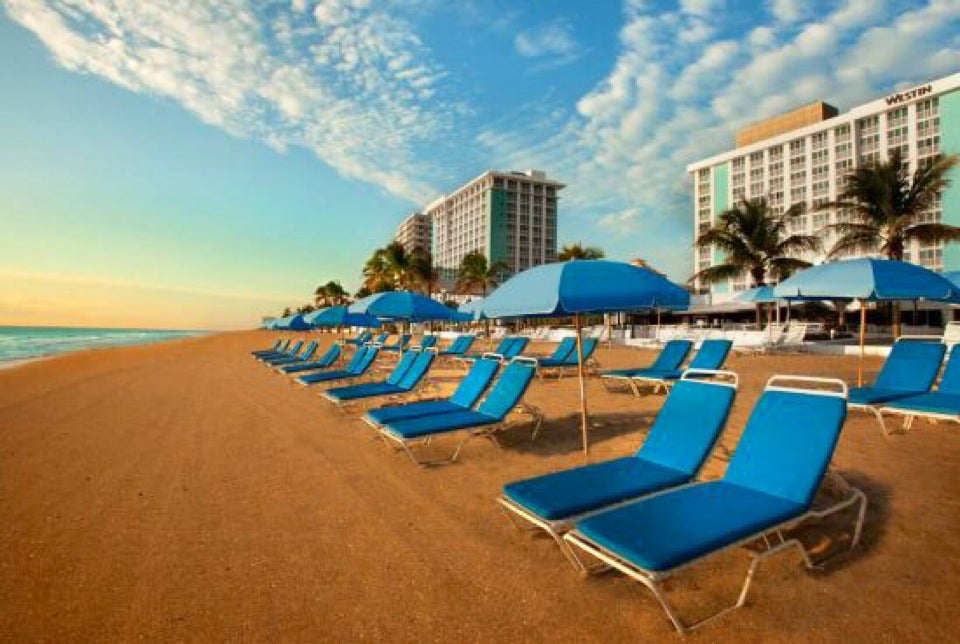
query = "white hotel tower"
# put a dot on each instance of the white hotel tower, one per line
(802, 156)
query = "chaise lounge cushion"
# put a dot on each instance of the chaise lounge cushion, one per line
(439, 423)
(571, 492)
(668, 530)
(934, 402)
(386, 415)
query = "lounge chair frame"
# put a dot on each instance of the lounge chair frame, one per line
(909, 415)
(557, 528)
(653, 580)
(408, 446)
(878, 409)
(363, 403)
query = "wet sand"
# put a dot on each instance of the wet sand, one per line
(181, 491)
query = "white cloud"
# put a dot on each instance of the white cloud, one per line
(624, 150)
(788, 11)
(554, 40)
(351, 84)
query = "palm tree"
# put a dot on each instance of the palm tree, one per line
(886, 207)
(377, 273)
(758, 241)
(475, 274)
(423, 271)
(579, 251)
(400, 264)
(330, 294)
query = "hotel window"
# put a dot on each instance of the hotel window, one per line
(820, 220)
(841, 133)
(934, 213)
(928, 108)
(775, 153)
(897, 117)
(798, 195)
(798, 177)
(931, 256)
(819, 140)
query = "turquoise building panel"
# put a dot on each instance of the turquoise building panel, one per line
(950, 144)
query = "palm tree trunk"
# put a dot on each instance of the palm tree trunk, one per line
(759, 314)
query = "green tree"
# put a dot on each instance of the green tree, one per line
(886, 207)
(377, 273)
(757, 241)
(476, 274)
(422, 270)
(579, 251)
(330, 294)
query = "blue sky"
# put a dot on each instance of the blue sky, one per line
(198, 164)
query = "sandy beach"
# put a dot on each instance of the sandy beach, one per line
(183, 492)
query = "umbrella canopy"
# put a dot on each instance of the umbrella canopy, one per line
(954, 277)
(402, 305)
(473, 308)
(757, 294)
(295, 323)
(582, 287)
(340, 316)
(870, 280)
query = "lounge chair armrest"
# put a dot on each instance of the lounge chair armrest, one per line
(718, 376)
(812, 380)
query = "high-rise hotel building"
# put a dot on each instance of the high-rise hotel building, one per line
(508, 216)
(804, 155)
(415, 233)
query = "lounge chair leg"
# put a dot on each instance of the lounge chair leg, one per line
(883, 425)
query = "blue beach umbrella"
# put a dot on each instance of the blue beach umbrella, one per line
(340, 316)
(473, 308)
(583, 287)
(757, 294)
(404, 306)
(297, 323)
(868, 280)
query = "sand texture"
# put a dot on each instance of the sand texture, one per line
(183, 492)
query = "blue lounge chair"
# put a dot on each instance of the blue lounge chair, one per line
(516, 347)
(326, 360)
(562, 352)
(488, 418)
(356, 368)
(466, 358)
(711, 356)
(671, 357)
(398, 346)
(558, 367)
(303, 357)
(428, 341)
(465, 396)
(942, 404)
(403, 380)
(289, 353)
(283, 350)
(459, 346)
(360, 340)
(768, 487)
(910, 369)
(678, 445)
(275, 347)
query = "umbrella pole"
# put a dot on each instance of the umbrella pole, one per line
(583, 388)
(863, 338)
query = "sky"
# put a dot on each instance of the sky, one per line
(191, 164)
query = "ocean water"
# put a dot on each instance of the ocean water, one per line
(27, 342)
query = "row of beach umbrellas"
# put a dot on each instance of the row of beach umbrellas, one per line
(591, 287)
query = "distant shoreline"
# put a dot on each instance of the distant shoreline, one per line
(45, 342)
